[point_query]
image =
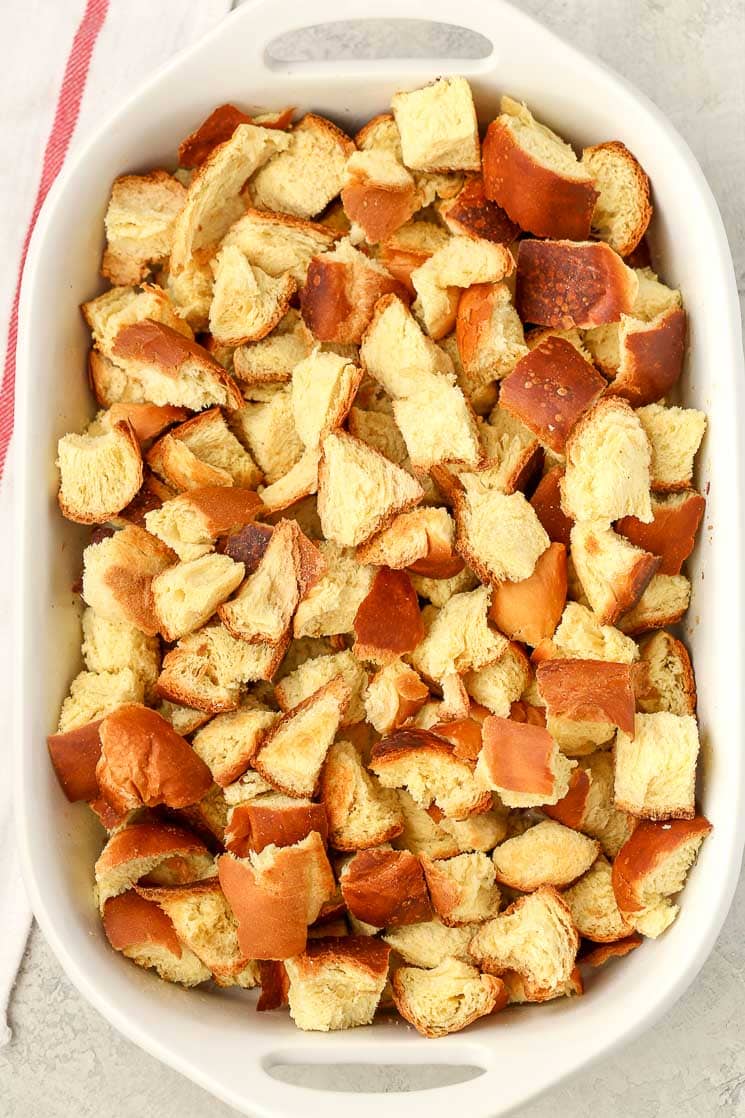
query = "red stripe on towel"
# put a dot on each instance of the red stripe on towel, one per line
(65, 119)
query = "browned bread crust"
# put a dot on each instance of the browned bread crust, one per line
(568, 283)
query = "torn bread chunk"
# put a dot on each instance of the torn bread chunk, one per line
(266, 428)
(398, 354)
(292, 754)
(650, 356)
(652, 867)
(536, 176)
(408, 248)
(663, 603)
(337, 982)
(449, 432)
(147, 420)
(99, 474)
(190, 523)
(572, 283)
(604, 952)
(655, 769)
(361, 813)
(499, 535)
(331, 605)
(388, 623)
(522, 763)
(360, 491)
(229, 741)
(110, 646)
(623, 208)
(263, 608)
(580, 636)
(213, 200)
(299, 482)
(272, 360)
(203, 451)
(272, 819)
(118, 572)
(295, 687)
(324, 386)
(162, 852)
(438, 591)
(143, 932)
(653, 299)
(588, 805)
(670, 683)
(422, 540)
(186, 595)
(93, 695)
(122, 307)
(498, 685)
(535, 938)
(430, 943)
(462, 889)
(385, 888)
(546, 854)
(428, 767)
(593, 906)
(672, 532)
(190, 290)
(613, 572)
(460, 263)
(608, 466)
(379, 195)
(247, 303)
(304, 177)
(546, 501)
(276, 894)
(674, 435)
(446, 999)
(588, 691)
(489, 336)
(139, 225)
(471, 214)
(438, 126)
(340, 293)
(278, 243)
(394, 695)
(531, 609)
(378, 429)
(459, 638)
(219, 126)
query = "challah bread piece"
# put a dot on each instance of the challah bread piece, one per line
(446, 999)
(517, 993)
(462, 889)
(489, 336)
(272, 819)
(74, 755)
(592, 691)
(471, 214)
(205, 924)
(143, 932)
(147, 420)
(276, 894)
(185, 720)
(422, 540)
(388, 623)
(111, 646)
(588, 804)
(213, 200)
(121, 307)
(430, 943)
(531, 609)
(546, 854)
(385, 888)
(337, 982)
(323, 389)
(572, 283)
(623, 208)
(162, 852)
(652, 867)
(535, 937)
(522, 763)
(272, 360)
(613, 572)
(279, 244)
(593, 905)
(407, 249)
(674, 435)
(203, 453)
(229, 741)
(172, 369)
(428, 767)
(546, 501)
(99, 474)
(580, 636)
(382, 134)
(651, 356)
(459, 638)
(498, 685)
(361, 813)
(359, 490)
(186, 595)
(307, 173)
(450, 433)
(670, 682)
(654, 301)
(459, 263)
(663, 603)
(331, 605)
(655, 769)
(190, 290)
(292, 754)
(219, 126)
(379, 195)
(535, 176)
(265, 427)
(438, 591)
(393, 695)
(264, 606)
(295, 687)
(191, 522)
(207, 669)
(379, 430)
(398, 354)
(672, 532)
(118, 572)
(499, 535)
(139, 225)
(438, 126)
(608, 465)
(421, 834)
(93, 695)
(247, 303)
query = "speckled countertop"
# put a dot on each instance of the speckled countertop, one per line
(687, 55)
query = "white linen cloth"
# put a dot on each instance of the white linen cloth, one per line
(134, 37)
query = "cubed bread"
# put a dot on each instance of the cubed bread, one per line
(139, 224)
(111, 646)
(651, 867)
(536, 938)
(430, 943)
(74, 755)
(118, 572)
(292, 754)
(307, 173)
(379, 195)
(143, 932)
(593, 906)
(438, 126)
(190, 523)
(93, 695)
(613, 572)
(272, 819)
(438, 591)
(186, 595)
(498, 685)
(99, 474)
(393, 695)
(359, 490)
(546, 501)
(670, 684)
(397, 352)
(361, 813)
(147, 420)
(247, 303)
(406, 249)
(499, 535)
(276, 894)
(655, 768)
(449, 432)
(121, 307)
(572, 283)
(546, 854)
(674, 435)
(428, 767)
(164, 853)
(459, 638)
(446, 999)
(323, 389)
(489, 336)
(530, 610)
(588, 805)
(591, 691)
(650, 356)
(608, 465)
(219, 126)
(266, 428)
(522, 763)
(604, 952)
(331, 605)
(272, 360)
(471, 214)
(341, 291)
(672, 532)
(190, 289)
(581, 636)
(460, 263)
(653, 301)
(264, 606)
(422, 540)
(203, 453)
(462, 889)
(337, 982)
(623, 208)
(663, 603)
(295, 687)
(279, 243)
(229, 741)
(535, 176)
(386, 888)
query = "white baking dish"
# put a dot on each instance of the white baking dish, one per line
(217, 1039)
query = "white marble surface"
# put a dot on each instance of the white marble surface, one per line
(65, 1060)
